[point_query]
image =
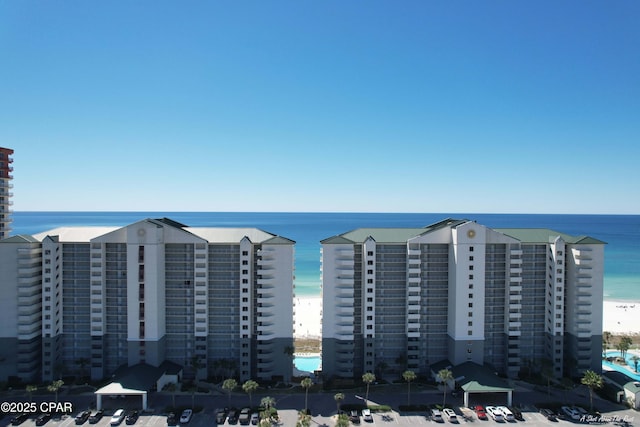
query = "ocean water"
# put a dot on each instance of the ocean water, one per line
(620, 232)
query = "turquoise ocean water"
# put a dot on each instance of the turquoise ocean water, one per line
(620, 232)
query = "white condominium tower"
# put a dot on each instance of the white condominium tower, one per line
(149, 292)
(407, 298)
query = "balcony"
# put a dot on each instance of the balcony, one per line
(345, 262)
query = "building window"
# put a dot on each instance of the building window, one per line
(471, 277)
(470, 285)
(469, 332)
(470, 248)
(470, 323)
(245, 253)
(470, 257)
(370, 253)
(370, 262)
(470, 295)
(471, 314)
(470, 267)
(470, 304)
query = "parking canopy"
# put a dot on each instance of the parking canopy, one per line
(474, 378)
(138, 380)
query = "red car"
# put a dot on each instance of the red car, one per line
(480, 413)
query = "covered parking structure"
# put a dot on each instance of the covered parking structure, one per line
(138, 380)
(476, 379)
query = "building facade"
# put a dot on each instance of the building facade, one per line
(407, 298)
(5, 191)
(87, 300)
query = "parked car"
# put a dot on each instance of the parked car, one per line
(232, 416)
(480, 412)
(571, 412)
(185, 417)
(495, 413)
(450, 414)
(366, 415)
(517, 413)
(132, 417)
(172, 419)
(96, 416)
(245, 416)
(255, 418)
(436, 416)
(580, 410)
(506, 413)
(548, 414)
(221, 415)
(19, 419)
(43, 419)
(82, 417)
(354, 417)
(117, 417)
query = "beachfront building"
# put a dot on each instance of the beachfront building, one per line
(511, 299)
(5, 191)
(89, 300)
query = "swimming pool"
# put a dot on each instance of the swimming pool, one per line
(307, 363)
(622, 369)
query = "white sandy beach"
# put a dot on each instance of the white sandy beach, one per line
(621, 317)
(308, 315)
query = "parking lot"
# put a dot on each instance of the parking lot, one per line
(323, 409)
(288, 417)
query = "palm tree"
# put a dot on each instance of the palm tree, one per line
(606, 337)
(267, 403)
(593, 381)
(171, 388)
(368, 378)
(623, 346)
(30, 389)
(304, 419)
(55, 386)
(229, 385)
(626, 344)
(445, 376)
(343, 421)
(338, 397)
(306, 383)
(249, 387)
(408, 377)
(635, 360)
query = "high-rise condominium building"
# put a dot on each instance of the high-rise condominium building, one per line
(94, 299)
(407, 298)
(5, 191)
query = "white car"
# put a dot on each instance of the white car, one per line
(571, 412)
(117, 417)
(506, 413)
(494, 413)
(186, 416)
(366, 415)
(450, 415)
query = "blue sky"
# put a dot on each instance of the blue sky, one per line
(368, 106)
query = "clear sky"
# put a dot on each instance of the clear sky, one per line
(382, 106)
